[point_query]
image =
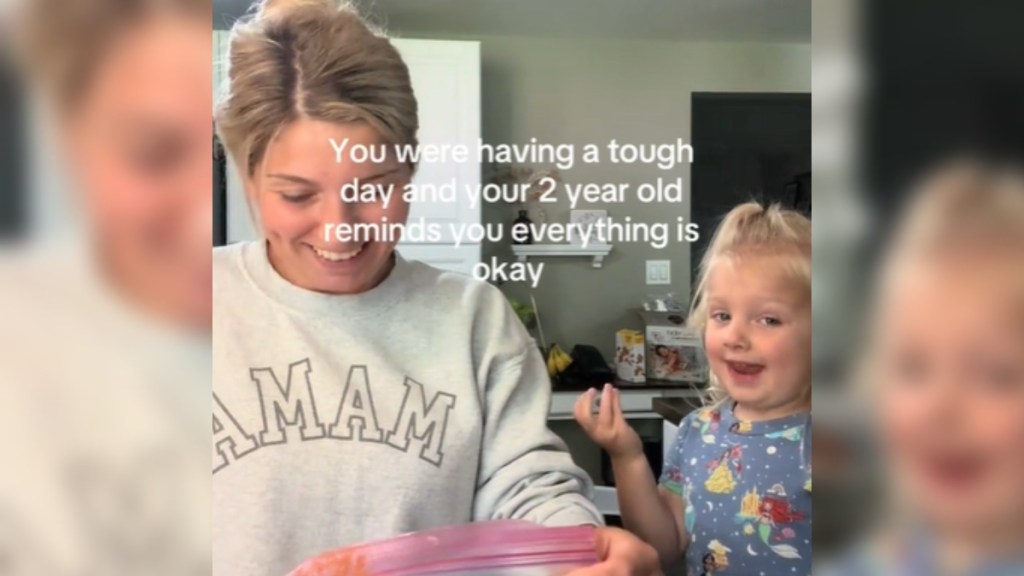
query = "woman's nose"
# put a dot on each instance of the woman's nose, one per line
(340, 221)
(336, 211)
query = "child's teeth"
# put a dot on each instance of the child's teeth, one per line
(337, 256)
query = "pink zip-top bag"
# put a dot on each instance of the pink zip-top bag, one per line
(493, 548)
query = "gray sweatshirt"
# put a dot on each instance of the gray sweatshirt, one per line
(339, 419)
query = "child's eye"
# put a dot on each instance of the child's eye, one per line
(771, 321)
(720, 316)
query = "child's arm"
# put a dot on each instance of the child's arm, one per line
(652, 513)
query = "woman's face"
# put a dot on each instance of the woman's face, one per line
(140, 145)
(952, 391)
(298, 187)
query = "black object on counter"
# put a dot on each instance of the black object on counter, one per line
(522, 230)
(588, 367)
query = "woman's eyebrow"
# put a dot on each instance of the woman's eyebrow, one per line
(295, 179)
(387, 172)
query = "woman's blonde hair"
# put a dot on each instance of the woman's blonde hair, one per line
(60, 44)
(311, 59)
(752, 230)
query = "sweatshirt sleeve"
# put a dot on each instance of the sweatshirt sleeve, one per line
(526, 471)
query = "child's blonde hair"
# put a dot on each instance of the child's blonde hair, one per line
(752, 230)
(963, 208)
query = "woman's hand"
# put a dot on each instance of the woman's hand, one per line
(620, 553)
(608, 428)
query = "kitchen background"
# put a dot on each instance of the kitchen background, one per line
(731, 77)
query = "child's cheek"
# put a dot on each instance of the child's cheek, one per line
(790, 352)
(714, 345)
(899, 408)
(905, 423)
(1001, 429)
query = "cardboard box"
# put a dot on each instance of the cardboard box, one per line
(673, 352)
(629, 356)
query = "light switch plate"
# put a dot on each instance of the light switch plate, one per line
(659, 272)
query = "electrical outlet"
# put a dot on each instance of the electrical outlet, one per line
(659, 272)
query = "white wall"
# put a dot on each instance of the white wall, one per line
(580, 91)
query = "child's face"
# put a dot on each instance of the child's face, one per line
(758, 336)
(951, 368)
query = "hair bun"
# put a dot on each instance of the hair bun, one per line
(276, 8)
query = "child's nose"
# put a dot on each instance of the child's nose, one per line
(736, 337)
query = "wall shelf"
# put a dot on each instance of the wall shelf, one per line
(595, 251)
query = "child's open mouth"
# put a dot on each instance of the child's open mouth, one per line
(744, 372)
(955, 472)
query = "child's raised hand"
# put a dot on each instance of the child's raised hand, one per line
(608, 428)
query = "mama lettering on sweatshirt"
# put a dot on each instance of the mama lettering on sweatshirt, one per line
(290, 412)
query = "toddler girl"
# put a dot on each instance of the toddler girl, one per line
(735, 493)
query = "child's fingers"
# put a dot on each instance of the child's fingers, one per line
(617, 407)
(583, 410)
(606, 414)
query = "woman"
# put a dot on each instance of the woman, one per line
(358, 395)
(104, 342)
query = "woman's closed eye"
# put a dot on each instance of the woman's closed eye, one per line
(376, 189)
(999, 375)
(297, 197)
(157, 158)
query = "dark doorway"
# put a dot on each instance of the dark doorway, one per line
(220, 187)
(13, 177)
(747, 146)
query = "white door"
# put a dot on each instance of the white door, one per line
(446, 80)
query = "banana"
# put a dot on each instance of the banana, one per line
(563, 360)
(552, 369)
(557, 360)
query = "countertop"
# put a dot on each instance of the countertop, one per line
(566, 385)
(673, 410)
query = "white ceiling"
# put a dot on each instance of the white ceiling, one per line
(678, 20)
